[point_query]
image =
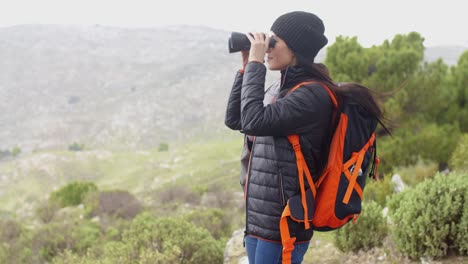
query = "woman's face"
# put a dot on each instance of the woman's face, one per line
(280, 56)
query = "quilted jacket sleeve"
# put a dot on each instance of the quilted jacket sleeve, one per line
(233, 118)
(303, 111)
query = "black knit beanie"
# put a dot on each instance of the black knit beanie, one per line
(303, 32)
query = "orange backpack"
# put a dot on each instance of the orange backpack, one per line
(336, 197)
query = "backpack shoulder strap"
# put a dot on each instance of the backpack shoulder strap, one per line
(329, 91)
(303, 172)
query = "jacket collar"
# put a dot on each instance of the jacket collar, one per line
(292, 76)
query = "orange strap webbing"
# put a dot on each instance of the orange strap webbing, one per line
(356, 161)
(286, 240)
(302, 169)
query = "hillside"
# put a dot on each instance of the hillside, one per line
(109, 86)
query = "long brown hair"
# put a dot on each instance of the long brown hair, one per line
(368, 99)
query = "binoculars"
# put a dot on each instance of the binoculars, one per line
(239, 41)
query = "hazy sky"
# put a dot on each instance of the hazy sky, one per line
(372, 21)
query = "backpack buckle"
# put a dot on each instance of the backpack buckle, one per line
(296, 146)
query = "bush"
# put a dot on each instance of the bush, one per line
(173, 236)
(428, 219)
(118, 252)
(15, 151)
(73, 193)
(459, 160)
(378, 191)
(16, 253)
(14, 242)
(46, 210)
(85, 235)
(121, 204)
(215, 220)
(369, 230)
(461, 241)
(76, 147)
(54, 238)
(163, 147)
(10, 231)
(428, 142)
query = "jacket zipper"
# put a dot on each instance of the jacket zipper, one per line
(281, 190)
(284, 79)
(246, 189)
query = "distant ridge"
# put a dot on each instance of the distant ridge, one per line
(449, 54)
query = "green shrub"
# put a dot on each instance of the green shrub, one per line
(73, 193)
(15, 151)
(378, 191)
(215, 220)
(68, 256)
(200, 189)
(3, 253)
(170, 235)
(10, 230)
(118, 252)
(368, 232)
(76, 147)
(46, 210)
(14, 242)
(163, 147)
(85, 235)
(427, 219)
(53, 239)
(429, 142)
(48, 242)
(461, 241)
(459, 158)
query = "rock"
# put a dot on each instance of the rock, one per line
(399, 184)
(426, 260)
(382, 257)
(234, 253)
(385, 212)
(244, 260)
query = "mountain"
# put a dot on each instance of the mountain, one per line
(115, 87)
(449, 54)
(110, 86)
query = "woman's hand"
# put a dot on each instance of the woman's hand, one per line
(245, 57)
(258, 46)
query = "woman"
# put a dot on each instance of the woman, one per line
(268, 118)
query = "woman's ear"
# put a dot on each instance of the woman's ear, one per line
(294, 60)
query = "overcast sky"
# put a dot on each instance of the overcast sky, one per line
(372, 21)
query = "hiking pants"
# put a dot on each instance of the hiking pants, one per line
(264, 252)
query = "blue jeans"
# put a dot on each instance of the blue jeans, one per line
(264, 252)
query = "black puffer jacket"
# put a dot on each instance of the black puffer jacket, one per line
(272, 176)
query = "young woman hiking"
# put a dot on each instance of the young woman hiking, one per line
(267, 118)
